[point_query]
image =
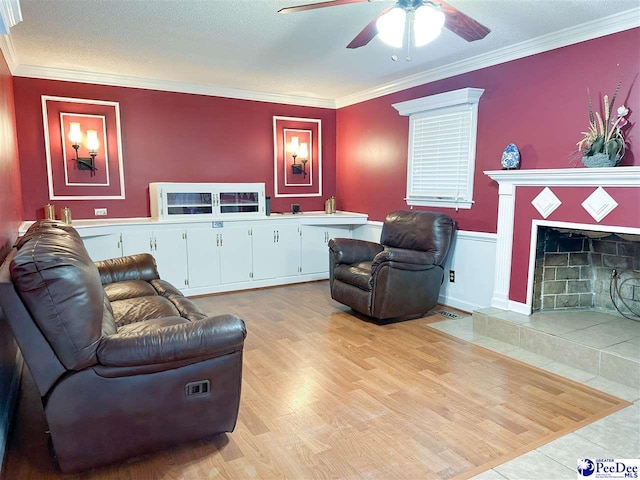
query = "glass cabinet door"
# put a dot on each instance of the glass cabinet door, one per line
(179, 203)
(239, 202)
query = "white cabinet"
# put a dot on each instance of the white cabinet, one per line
(103, 247)
(315, 248)
(200, 257)
(235, 254)
(203, 257)
(276, 250)
(189, 201)
(169, 248)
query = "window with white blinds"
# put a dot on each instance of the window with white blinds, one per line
(442, 146)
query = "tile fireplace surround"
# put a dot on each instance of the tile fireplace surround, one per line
(596, 210)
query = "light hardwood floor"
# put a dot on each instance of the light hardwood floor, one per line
(328, 395)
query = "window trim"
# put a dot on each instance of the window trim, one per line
(418, 106)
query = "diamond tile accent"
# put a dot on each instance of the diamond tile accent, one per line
(546, 202)
(599, 204)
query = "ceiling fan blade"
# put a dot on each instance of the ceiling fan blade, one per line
(368, 32)
(461, 24)
(313, 6)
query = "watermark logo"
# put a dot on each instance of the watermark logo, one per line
(609, 468)
(586, 467)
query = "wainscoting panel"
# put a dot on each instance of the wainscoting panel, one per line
(472, 257)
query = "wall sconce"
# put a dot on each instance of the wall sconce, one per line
(75, 135)
(301, 150)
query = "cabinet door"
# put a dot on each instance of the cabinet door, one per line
(170, 252)
(203, 254)
(288, 243)
(103, 247)
(235, 254)
(276, 251)
(137, 241)
(315, 252)
(315, 249)
(265, 264)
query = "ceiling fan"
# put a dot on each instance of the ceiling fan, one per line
(426, 18)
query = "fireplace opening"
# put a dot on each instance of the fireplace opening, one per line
(583, 269)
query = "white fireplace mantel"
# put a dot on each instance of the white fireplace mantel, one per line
(575, 177)
(508, 180)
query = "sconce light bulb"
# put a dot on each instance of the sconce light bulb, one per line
(75, 134)
(304, 151)
(294, 146)
(92, 140)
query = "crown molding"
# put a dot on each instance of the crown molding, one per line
(10, 15)
(9, 52)
(568, 36)
(32, 71)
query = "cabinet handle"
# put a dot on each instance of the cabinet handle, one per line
(274, 236)
(221, 239)
(155, 244)
(151, 244)
(277, 236)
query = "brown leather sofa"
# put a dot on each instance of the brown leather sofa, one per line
(124, 363)
(399, 277)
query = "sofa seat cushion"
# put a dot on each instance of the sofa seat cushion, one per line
(128, 289)
(151, 325)
(138, 309)
(357, 274)
(172, 340)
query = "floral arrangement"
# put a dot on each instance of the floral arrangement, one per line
(604, 141)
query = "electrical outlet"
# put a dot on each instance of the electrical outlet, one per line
(452, 276)
(99, 211)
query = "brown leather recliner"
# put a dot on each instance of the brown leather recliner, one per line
(399, 277)
(125, 368)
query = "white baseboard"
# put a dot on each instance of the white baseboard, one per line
(7, 407)
(459, 304)
(253, 284)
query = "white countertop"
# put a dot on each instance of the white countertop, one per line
(93, 226)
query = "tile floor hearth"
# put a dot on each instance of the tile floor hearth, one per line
(598, 343)
(560, 341)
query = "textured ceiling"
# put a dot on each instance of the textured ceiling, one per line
(245, 44)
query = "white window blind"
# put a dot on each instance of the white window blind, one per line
(442, 145)
(439, 156)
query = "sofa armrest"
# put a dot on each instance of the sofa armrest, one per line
(133, 267)
(348, 250)
(210, 337)
(413, 258)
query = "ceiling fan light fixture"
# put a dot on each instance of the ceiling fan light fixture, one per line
(427, 24)
(391, 27)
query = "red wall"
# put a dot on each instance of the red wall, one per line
(10, 218)
(538, 103)
(168, 137)
(10, 195)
